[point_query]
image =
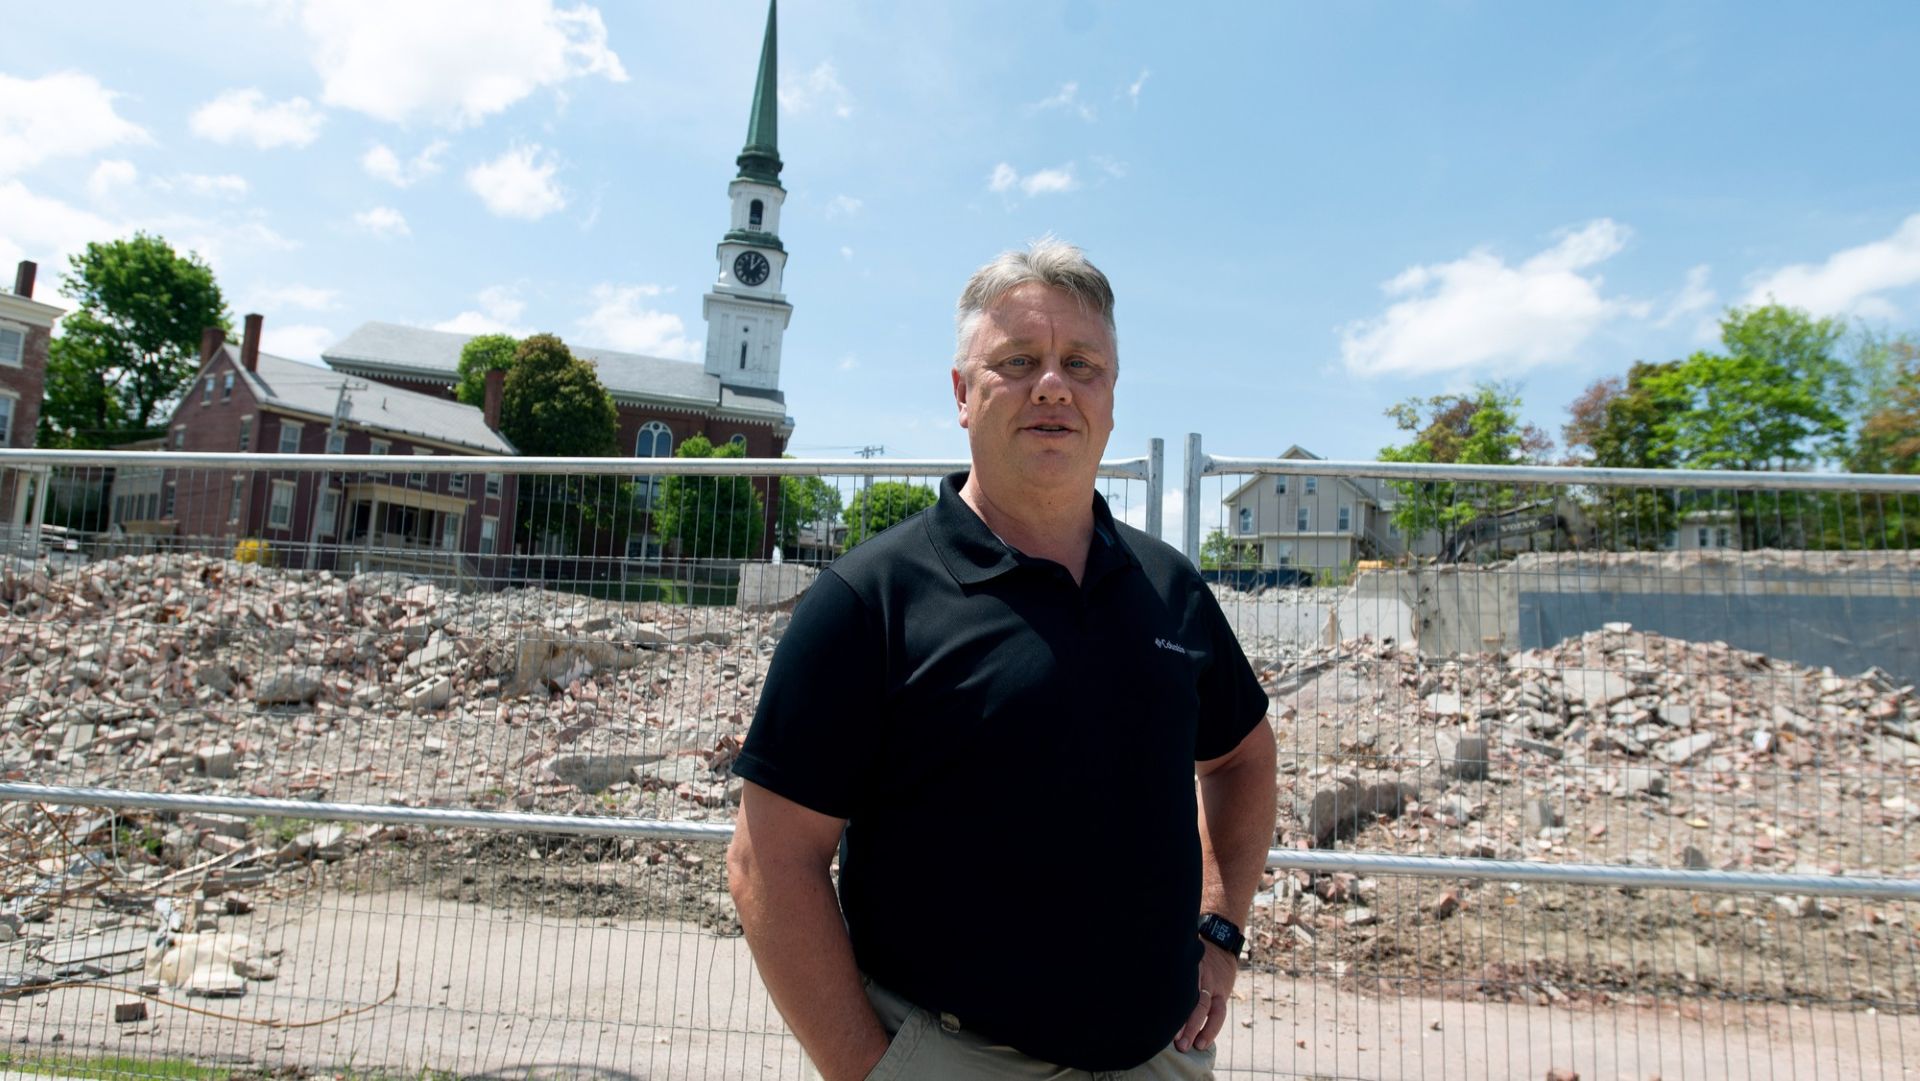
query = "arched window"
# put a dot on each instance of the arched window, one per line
(739, 439)
(654, 441)
(754, 211)
(1246, 520)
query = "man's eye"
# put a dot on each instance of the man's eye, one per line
(1016, 362)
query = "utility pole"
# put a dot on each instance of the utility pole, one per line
(326, 480)
(866, 505)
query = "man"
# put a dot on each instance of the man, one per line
(994, 712)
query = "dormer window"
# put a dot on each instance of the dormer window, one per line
(754, 211)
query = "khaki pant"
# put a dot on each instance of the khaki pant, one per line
(936, 1047)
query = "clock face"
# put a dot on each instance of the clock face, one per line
(751, 268)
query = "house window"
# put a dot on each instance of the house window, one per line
(743, 354)
(336, 442)
(280, 511)
(226, 387)
(449, 531)
(1280, 485)
(179, 438)
(246, 434)
(206, 390)
(379, 446)
(654, 441)
(418, 480)
(489, 535)
(738, 440)
(1311, 486)
(290, 436)
(1283, 555)
(13, 346)
(1722, 537)
(166, 502)
(1346, 519)
(754, 211)
(1246, 519)
(329, 508)
(1703, 536)
(457, 483)
(239, 493)
(494, 481)
(6, 420)
(1301, 519)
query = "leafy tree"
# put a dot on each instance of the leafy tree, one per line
(1628, 425)
(1889, 437)
(886, 503)
(1777, 399)
(709, 517)
(1482, 428)
(554, 406)
(1218, 552)
(486, 353)
(805, 503)
(131, 345)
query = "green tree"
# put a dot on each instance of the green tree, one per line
(805, 503)
(131, 344)
(1627, 424)
(554, 406)
(486, 353)
(1888, 442)
(718, 517)
(1481, 428)
(885, 504)
(1217, 551)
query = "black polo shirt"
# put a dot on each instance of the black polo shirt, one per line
(1013, 754)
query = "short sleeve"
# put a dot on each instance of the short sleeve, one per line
(1231, 698)
(816, 731)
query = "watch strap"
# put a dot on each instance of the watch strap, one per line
(1222, 932)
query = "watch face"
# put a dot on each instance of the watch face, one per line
(751, 268)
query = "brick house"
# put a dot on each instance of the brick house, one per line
(26, 330)
(244, 401)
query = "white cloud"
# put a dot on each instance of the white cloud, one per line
(518, 184)
(1478, 312)
(66, 114)
(226, 186)
(109, 177)
(622, 320)
(1134, 88)
(1173, 508)
(1052, 181)
(844, 206)
(848, 362)
(382, 163)
(1067, 99)
(846, 252)
(819, 88)
(297, 341)
(247, 116)
(1695, 296)
(45, 230)
(453, 62)
(1851, 281)
(500, 308)
(383, 221)
(306, 297)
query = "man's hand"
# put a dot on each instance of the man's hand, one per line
(1217, 973)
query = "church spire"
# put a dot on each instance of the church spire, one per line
(760, 158)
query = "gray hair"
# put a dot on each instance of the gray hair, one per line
(1048, 261)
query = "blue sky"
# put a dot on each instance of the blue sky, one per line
(1310, 210)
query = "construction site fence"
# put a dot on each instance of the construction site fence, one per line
(314, 768)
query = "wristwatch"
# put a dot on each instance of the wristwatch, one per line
(1221, 932)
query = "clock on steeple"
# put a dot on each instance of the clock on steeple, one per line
(745, 311)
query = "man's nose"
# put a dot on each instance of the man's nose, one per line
(1052, 386)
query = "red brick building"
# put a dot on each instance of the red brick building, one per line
(378, 518)
(26, 329)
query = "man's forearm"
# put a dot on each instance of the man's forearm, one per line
(1236, 825)
(799, 942)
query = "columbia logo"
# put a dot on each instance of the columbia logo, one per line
(1174, 646)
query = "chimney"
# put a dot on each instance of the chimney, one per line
(211, 339)
(496, 382)
(23, 279)
(250, 345)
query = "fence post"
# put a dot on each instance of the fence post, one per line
(1156, 483)
(1196, 459)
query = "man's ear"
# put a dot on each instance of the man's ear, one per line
(960, 394)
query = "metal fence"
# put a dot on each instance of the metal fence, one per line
(1586, 770)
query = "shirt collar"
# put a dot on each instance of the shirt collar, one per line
(973, 554)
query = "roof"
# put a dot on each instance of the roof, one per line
(303, 388)
(394, 349)
(1372, 489)
(760, 158)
